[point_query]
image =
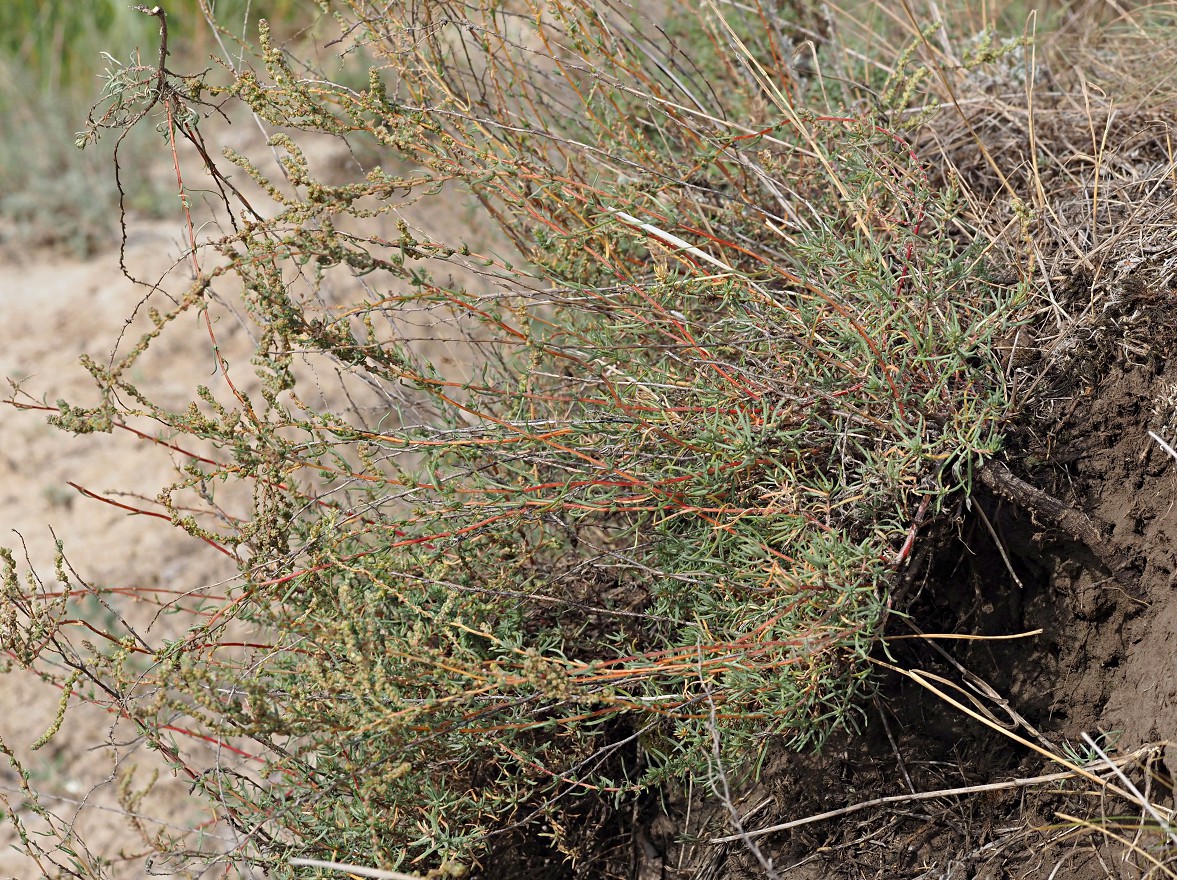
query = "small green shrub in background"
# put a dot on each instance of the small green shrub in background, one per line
(651, 528)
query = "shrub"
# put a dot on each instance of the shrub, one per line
(738, 351)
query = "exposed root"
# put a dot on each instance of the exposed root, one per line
(1050, 512)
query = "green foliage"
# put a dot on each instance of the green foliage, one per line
(742, 353)
(56, 43)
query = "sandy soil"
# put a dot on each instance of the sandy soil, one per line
(54, 309)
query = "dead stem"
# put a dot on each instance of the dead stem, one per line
(1050, 512)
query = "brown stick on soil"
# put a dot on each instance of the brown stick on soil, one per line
(1052, 513)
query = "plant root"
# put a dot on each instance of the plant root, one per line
(1050, 512)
